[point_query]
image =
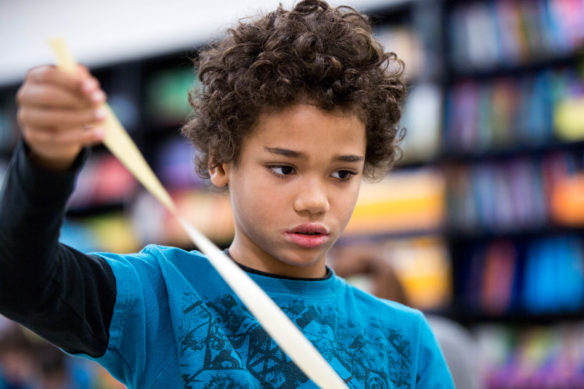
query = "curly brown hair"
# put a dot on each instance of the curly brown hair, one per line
(313, 53)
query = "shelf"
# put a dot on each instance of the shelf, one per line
(458, 236)
(449, 157)
(164, 129)
(415, 163)
(509, 152)
(394, 11)
(398, 235)
(95, 210)
(521, 319)
(521, 69)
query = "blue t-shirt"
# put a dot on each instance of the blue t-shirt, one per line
(177, 324)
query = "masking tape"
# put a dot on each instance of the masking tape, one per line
(269, 315)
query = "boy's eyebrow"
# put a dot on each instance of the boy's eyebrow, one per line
(298, 154)
(349, 158)
(284, 152)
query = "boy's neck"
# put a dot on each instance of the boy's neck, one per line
(263, 263)
(255, 271)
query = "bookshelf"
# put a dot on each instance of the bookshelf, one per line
(509, 147)
(512, 150)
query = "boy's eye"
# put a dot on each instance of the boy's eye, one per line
(343, 175)
(282, 170)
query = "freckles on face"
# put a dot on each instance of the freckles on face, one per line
(295, 184)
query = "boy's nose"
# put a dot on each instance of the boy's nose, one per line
(312, 199)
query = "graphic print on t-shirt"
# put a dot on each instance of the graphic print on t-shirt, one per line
(226, 347)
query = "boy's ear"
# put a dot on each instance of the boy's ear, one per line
(219, 174)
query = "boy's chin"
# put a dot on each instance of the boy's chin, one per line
(307, 259)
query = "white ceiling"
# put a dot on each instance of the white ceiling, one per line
(105, 31)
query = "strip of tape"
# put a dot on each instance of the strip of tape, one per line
(269, 315)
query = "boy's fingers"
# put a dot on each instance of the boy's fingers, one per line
(51, 75)
(43, 95)
(81, 136)
(62, 118)
(83, 69)
(50, 139)
(80, 82)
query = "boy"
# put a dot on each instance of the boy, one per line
(295, 108)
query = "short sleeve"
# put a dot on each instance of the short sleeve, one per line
(136, 326)
(432, 370)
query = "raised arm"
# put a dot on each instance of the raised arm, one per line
(63, 295)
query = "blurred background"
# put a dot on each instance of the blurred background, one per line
(481, 223)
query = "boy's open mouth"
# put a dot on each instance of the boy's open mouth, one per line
(309, 229)
(308, 235)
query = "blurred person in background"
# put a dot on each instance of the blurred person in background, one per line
(17, 366)
(372, 261)
(56, 370)
(29, 362)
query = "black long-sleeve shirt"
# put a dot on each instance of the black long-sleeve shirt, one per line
(58, 292)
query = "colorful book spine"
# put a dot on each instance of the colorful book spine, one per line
(506, 113)
(501, 33)
(534, 277)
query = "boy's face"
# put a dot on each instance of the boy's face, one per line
(294, 188)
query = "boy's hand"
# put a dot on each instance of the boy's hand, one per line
(59, 113)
